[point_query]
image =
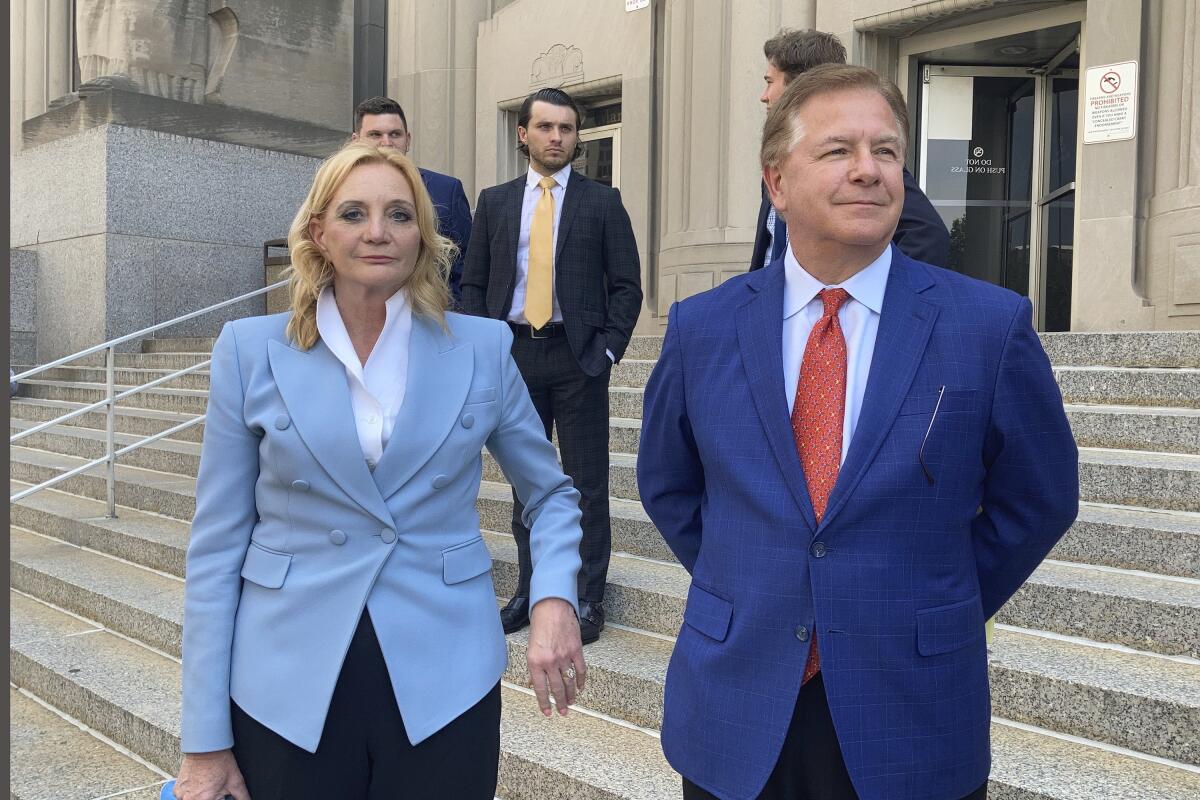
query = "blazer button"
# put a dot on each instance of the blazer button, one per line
(337, 537)
(300, 486)
(282, 422)
(802, 633)
(468, 420)
(388, 535)
(818, 550)
(441, 481)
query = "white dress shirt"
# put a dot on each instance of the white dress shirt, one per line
(533, 193)
(859, 318)
(376, 387)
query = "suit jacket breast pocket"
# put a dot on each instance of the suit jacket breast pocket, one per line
(953, 401)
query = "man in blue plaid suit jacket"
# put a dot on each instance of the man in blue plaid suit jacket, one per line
(957, 477)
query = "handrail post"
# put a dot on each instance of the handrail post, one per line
(110, 368)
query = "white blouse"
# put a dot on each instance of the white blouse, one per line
(377, 387)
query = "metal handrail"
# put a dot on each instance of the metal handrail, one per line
(144, 331)
(109, 403)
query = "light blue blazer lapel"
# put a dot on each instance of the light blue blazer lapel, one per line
(905, 325)
(439, 375)
(760, 338)
(313, 387)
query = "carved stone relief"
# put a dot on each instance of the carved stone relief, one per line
(559, 66)
(157, 46)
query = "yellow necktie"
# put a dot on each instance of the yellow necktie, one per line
(539, 282)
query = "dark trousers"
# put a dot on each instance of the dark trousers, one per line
(814, 770)
(364, 753)
(576, 405)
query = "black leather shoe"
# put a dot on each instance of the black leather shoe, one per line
(591, 621)
(515, 615)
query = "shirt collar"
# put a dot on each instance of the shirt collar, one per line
(867, 286)
(332, 328)
(532, 177)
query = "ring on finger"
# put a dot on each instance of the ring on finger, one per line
(569, 672)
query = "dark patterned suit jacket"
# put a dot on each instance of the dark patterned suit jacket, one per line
(597, 273)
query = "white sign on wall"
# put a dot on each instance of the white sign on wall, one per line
(634, 5)
(1110, 103)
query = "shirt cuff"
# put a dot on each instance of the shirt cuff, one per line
(611, 357)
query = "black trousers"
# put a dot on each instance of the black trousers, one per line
(576, 405)
(816, 770)
(364, 752)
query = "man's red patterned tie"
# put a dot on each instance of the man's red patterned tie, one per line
(818, 414)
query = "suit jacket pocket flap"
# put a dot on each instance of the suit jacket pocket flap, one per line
(948, 628)
(465, 561)
(481, 396)
(708, 613)
(265, 567)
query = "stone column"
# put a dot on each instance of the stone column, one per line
(1170, 251)
(431, 73)
(40, 60)
(1103, 295)
(712, 126)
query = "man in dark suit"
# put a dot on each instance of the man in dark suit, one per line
(920, 234)
(553, 253)
(858, 457)
(381, 121)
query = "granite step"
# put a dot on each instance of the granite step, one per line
(149, 540)
(123, 690)
(1138, 478)
(186, 401)
(640, 593)
(142, 489)
(1161, 430)
(1037, 765)
(139, 421)
(53, 758)
(1114, 349)
(1160, 542)
(1084, 690)
(1133, 386)
(181, 344)
(1124, 349)
(85, 671)
(165, 455)
(134, 601)
(164, 361)
(1140, 610)
(125, 376)
(1117, 477)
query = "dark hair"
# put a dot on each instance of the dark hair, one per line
(555, 97)
(377, 105)
(779, 132)
(794, 52)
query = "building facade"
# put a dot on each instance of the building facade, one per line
(1053, 181)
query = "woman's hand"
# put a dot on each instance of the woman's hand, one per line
(210, 776)
(555, 655)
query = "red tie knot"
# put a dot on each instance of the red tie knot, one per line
(833, 299)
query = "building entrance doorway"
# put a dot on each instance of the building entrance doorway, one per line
(997, 160)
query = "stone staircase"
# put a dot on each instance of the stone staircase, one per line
(1095, 664)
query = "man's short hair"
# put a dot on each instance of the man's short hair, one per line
(795, 52)
(377, 105)
(780, 130)
(555, 97)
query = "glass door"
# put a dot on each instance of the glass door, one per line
(997, 161)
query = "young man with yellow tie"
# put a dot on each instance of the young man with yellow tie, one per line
(553, 253)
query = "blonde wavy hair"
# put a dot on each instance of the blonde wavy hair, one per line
(310, 272)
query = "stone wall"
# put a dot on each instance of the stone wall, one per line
(135, 227)
(22, 307)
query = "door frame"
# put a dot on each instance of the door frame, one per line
(604, 132)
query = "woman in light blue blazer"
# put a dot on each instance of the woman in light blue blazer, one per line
(341, 635)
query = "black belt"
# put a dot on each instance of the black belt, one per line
(548, 331)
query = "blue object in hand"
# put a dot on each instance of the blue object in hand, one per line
(168, 791)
